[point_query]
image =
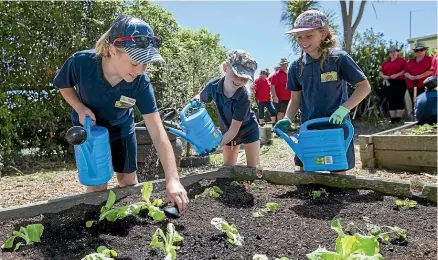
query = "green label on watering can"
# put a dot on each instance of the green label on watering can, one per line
(324, 160)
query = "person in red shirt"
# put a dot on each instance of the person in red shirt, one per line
(262, 94)
(417, 70)
(433, 67)
(280, 95)
(392, 72)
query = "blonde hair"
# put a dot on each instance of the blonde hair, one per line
(326, 44)
(102, 45)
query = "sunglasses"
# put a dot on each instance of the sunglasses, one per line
(140, 41)
(419, 50)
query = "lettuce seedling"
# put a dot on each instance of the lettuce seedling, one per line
(348, 247)
(383, 232)
(405, 204)
(170, 240)
(243, 184)
(103, 253)
(270, 207)
(113, 214)
(315, 194)
(264, 257)
(214, 192)
(31, 233)
(230, 230)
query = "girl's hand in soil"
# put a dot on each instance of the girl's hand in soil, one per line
(177, 195)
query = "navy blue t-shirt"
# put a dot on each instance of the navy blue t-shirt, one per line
(83, 71)
(238, 107)
(323, 91)
(426, 107)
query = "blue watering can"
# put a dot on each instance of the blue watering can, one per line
(198, 128)
(92, 153)
(320, 150)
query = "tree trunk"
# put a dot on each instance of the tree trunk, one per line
(347, 21)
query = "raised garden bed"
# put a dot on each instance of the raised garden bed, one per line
(405, 148)
(298, 227)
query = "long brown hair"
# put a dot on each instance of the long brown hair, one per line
(326, 45)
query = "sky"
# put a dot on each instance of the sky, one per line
(255, 25)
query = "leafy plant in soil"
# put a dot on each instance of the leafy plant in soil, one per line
(214, 192)
(270, 207)
(405, 204)
(113, 214)
(31, 233)
(424, 129)
(315, 194)
(103, 253)
(171, 239)
(383, 232)
(349, 247)
(243, 184)
(264, 257)
(231, 231)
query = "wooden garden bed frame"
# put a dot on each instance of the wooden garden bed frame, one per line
(390, 187)
(416, 153)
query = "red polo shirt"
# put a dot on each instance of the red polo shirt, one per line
(417, 68)
(262, 90)
(393, 67)
(434, 65)
(279, 80)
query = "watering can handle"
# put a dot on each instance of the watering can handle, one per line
(326, 120)
(183, 113)
(87, 126)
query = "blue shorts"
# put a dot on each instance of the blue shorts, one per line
(246, 136)
(124, 154)
(350, 151)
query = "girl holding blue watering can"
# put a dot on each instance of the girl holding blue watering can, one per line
(237, 122)
(318, 79)
(105, 83)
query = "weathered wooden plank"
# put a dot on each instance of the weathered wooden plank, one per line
(367, 151)
(96, 198)
(414, 158)
(145, 152)
(409, 168)
(405, 142)
(406, 125)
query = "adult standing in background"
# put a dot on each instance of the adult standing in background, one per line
(262, 94)
(417, 70)
(280, 95)
(392, 72)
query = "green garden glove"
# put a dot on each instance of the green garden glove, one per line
(339, 115)
(283, 124)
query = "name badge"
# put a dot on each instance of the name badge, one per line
(329, 76)
(125, 102)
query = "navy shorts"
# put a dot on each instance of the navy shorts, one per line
(246, 137)
(350, 151)
(124, 154)
(281, 106)
(261, 107)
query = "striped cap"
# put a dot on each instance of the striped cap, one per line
(143, 52)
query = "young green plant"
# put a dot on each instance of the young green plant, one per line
(247, 185)
(103, 253)
(349, 247)
(231, 231)
(270, 207)
(383, 232)
(264, 257)
(113, 214)
(405, 204)
(31, 234)
(214, 192)
(170, 241)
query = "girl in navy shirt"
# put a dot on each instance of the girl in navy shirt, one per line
(237, 122)
(318, 79)
(105, 83)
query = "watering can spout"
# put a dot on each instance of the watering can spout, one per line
(182, 135)
(294, 146)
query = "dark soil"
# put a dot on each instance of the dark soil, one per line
(299, 226)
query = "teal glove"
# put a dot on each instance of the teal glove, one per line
(283, 124)
(339, 115)
(195, 102)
